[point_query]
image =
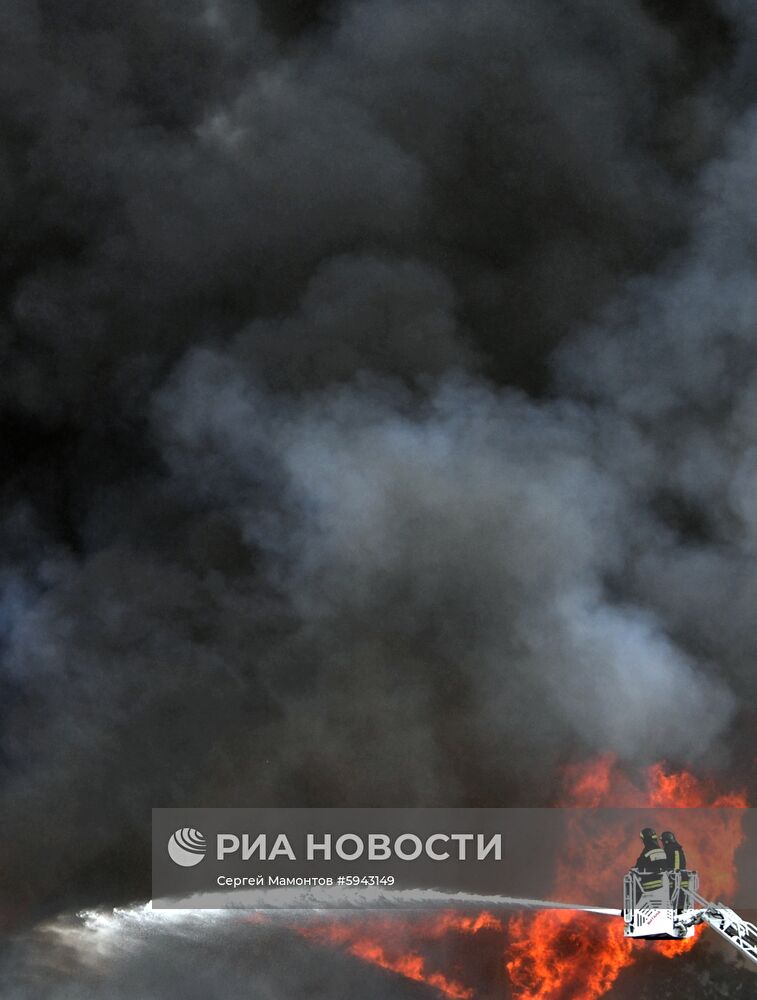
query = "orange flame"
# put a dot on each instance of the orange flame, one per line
(555, 955)
(383, 941)
(562, 954)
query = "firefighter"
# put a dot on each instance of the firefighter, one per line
(675, 861)
(651, 862)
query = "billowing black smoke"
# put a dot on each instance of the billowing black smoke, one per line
(379, 388)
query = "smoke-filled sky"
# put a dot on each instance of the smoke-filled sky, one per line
(379, 407)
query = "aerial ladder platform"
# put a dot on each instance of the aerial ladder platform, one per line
(675, 908)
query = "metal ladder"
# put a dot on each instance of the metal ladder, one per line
(728, 924)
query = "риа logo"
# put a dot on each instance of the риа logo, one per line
(187, 847)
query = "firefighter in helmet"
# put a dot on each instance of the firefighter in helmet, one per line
(675, 861)
(651, 862)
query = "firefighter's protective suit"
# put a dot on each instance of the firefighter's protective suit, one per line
(675, 861)
(651, 862)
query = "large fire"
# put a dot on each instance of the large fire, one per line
(562, 954)
(555, 955)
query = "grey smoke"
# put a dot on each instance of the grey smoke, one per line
(379, 384)
(130, 953)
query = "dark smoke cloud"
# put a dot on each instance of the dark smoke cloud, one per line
(378, 383)
(171, 175)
